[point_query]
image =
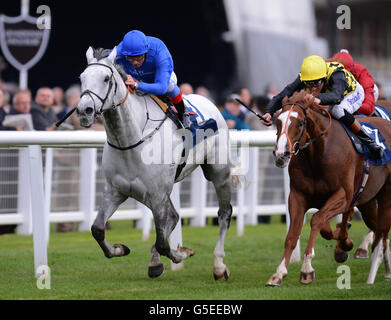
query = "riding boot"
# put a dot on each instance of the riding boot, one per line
(182, 115)
(376, 150)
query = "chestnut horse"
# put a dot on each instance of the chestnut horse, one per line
(325, 172)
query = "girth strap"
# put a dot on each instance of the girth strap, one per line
(363, 182)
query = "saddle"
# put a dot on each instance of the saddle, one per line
(168, 108)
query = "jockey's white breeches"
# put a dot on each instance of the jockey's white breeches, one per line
(351, 103)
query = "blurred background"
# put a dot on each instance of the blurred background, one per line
(219, 44)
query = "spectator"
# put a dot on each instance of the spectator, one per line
(58, 105)
(3, 113)
(380, 91)
(186, 88)
(232, 114)
(258, 104)
(6, 103)
(72, 98)
(21, 105)
(245, 96)
(203, 91)
(271, 90)
(8, 176)
(44, 117)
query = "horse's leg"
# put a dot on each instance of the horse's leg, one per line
(334, 205)
(111, 201)
(220, 176)
(155, 268)
(297, 208)
(166, 218)
(344, 243)
(369, 215)
(381, 243)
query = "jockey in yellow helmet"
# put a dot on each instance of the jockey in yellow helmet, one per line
(332, 85)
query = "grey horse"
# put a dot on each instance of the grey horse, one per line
(142, 157)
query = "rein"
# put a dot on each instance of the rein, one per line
(296, 147)
(103, 100)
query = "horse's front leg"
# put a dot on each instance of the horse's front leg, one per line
(297, 207)
(111, 201)
(334, 205)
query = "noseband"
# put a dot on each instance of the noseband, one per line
(296, 147)
(103, 100)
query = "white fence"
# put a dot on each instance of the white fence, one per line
(34, 207)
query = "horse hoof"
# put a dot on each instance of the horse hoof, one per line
(223, 276)
(187, 252)
(361, 254)
(121, 249)
(274, 281)
(307, 278)
(155, 271)
(347, 245)
(341, 256)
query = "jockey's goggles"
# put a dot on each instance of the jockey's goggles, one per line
(138, 58)
(313, 83)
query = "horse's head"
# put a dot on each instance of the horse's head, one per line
(291, 127)
(99, 83)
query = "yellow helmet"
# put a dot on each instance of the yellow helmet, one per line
(313, 68)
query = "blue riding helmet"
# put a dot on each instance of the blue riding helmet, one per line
(135, 43)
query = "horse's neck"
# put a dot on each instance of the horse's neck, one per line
(124, 124)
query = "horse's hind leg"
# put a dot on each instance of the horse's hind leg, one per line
(155, 268)
(369, 215)
(220, 176)
(166, 218)
(111, 201)
(380, 246)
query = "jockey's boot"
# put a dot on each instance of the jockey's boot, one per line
(376, 150)
(182, 115)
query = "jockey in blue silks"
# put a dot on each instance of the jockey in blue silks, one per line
(150, 68)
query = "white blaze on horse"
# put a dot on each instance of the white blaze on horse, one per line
(135, 123)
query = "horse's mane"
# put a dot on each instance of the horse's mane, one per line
(301, 97)
(101, 53)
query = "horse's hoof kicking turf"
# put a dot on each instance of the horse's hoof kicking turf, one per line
(155, 271)
(307, 278)
(274, 281)
(341, 256)
(361, 254)
(224, 276)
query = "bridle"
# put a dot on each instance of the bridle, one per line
(103, 100)
(296, 147)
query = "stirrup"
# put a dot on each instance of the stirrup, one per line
(186, 121)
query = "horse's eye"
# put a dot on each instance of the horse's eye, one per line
(107, 78)
(300, 124)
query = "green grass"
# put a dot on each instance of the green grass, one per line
(79, 269)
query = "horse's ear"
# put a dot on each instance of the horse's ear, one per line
(90, 55)
(112, 55)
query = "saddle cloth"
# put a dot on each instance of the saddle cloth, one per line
(199, 122)
(361, 148)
